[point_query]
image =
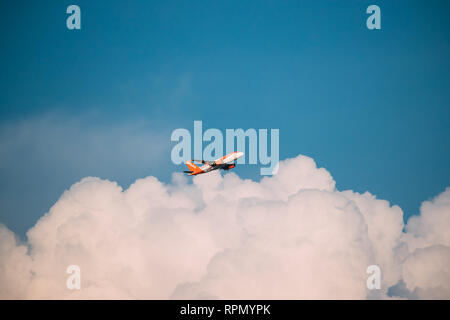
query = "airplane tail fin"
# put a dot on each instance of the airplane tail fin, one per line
(193, 169)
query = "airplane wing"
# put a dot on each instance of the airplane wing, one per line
(205, 161)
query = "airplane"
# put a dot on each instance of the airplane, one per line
(225, 163)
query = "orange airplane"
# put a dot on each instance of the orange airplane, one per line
(225, 163)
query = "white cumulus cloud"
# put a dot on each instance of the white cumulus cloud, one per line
(293, 236)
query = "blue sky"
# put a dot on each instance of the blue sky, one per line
(372, 107)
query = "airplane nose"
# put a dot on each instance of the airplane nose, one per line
(240, 154)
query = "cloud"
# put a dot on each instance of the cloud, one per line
(293, 236)
(426, 270)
